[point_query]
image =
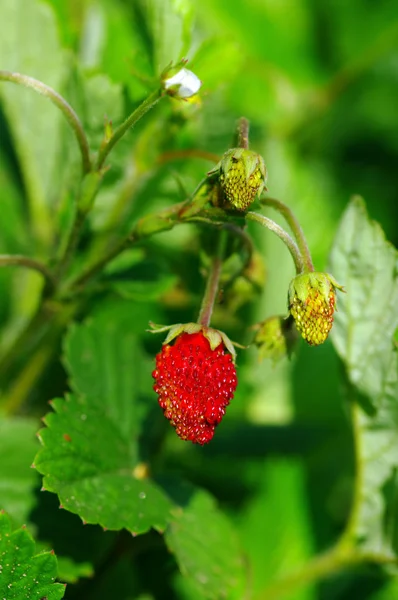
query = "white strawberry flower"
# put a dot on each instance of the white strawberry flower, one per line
(183, 84)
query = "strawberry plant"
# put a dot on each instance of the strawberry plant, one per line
(167, 261)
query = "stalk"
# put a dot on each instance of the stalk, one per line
(17, 260)
(131, 120)
(295, 226)
(60, 102)
(242, 134)
(283, 235)
(209, 298)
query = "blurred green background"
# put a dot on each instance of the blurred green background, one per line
(319, 83)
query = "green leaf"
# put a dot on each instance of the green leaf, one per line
(71, 571)
(17, 479)
(144, 290)
(59, 529)
(130, 317)
(367, 265)
(206, 548)
(29, 44)
(94, 469)
(363, 335)
(103, 359)
(123, 36)
(107, 98)
(14, 237)
(24, 574)
(91, 456)
(13, 229)
(124, 261)
(68, 20)
(169, 23)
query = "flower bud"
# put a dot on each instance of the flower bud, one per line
(242, 175)
(182, 84)
(312, 300)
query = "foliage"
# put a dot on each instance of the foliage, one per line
(125, 205)
(24, 574)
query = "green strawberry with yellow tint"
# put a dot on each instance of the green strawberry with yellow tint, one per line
(242, 176)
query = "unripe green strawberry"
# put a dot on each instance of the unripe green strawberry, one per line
(242, 176)
(312, 300)
(195, 379)
(275, 337)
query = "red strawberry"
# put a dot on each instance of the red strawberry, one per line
(194, 384)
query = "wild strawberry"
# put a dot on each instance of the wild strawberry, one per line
(195, 379)
(312, 300)
(242, 176)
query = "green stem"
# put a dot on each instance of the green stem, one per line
(84, 202)
(209, 298)
(172, 155)
(131, 120)
(30, 333)
(346, 553)
(16, 396)
(322, 566)
(247, 243)
(147, 226)
(71, 245)
(96, 268)
(319, 567)
(92, 183)
(283, 235)
(70, 115)
(18, 260)
(31, 372)
(295, 227)
(39, 327)
(349, 535)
